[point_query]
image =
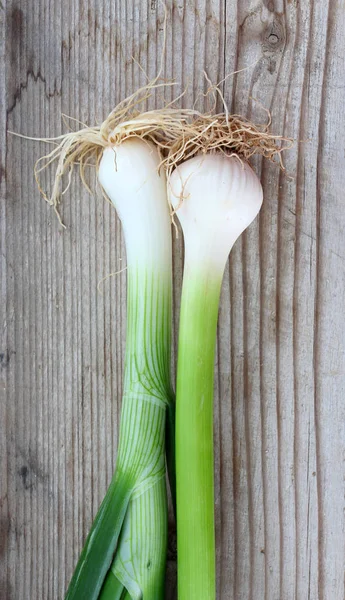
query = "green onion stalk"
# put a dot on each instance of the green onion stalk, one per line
(124, 555)
(216, 197)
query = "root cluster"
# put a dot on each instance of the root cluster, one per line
(178, 133)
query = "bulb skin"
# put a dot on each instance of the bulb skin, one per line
(216, 197)
(129, 174)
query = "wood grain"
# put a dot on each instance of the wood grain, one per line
(280, 384)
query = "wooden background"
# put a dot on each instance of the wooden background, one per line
(280, 379)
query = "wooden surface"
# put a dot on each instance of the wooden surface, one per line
(280, 380)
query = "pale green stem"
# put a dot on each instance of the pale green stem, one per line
(194, 435)
(141, 454)
(140, 558)
(139, 562)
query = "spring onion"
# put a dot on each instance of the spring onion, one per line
(133, 516)
(216, 197)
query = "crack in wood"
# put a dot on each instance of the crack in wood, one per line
(35, 77)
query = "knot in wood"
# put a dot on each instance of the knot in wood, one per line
(274, 36)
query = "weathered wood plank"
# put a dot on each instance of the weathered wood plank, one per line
(5, 328)
(279, 404)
